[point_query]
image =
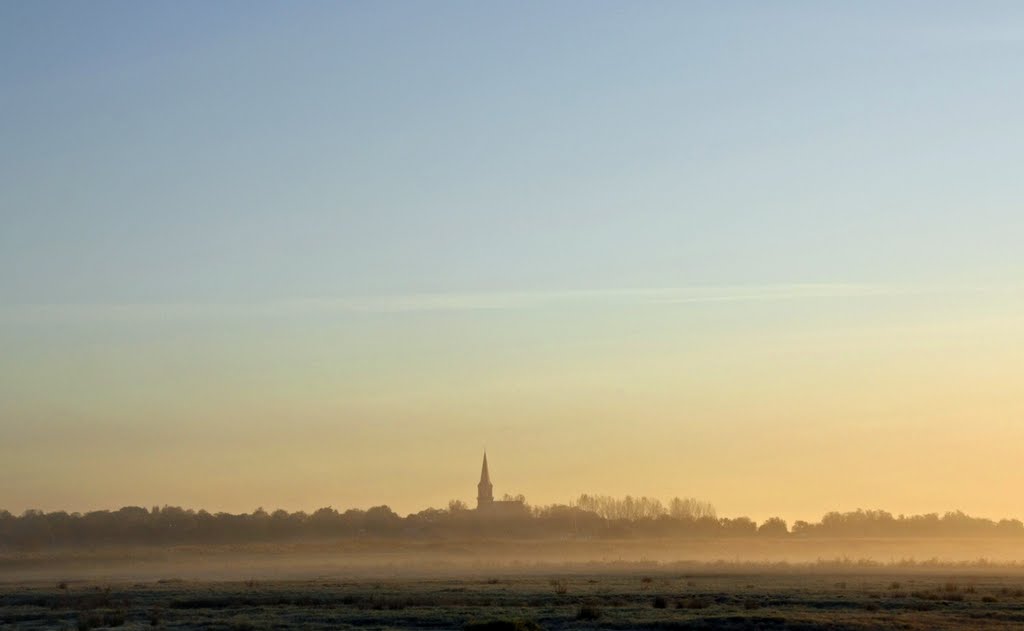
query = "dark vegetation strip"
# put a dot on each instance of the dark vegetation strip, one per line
(593, 516)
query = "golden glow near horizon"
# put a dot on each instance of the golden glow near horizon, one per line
(790, 407)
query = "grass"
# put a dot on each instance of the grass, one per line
(528, 603)
(503, 625)
(94, 620)
(696, 602)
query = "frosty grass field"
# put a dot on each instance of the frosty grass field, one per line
(555, 601)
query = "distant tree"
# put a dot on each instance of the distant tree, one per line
(801, 527)
(773, 527)
(738, 526)
(592, 515)
(1010, 527)
(457, 506)
(381, 519)
(427, 516)
(690, 508)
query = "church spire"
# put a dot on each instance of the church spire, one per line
(484, 489)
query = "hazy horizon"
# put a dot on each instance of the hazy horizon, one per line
(570, 501)
(294, 256)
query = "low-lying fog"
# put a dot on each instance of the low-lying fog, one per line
(391, 558)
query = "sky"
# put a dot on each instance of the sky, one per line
(322, 253)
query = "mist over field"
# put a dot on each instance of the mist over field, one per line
(595, 534)
(495, 579)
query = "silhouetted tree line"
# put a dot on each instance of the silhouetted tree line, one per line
(879, 523)
(588, 516)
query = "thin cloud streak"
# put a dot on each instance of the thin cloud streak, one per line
(470, 301)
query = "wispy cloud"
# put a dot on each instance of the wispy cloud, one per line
(536, 299)
(459, 301)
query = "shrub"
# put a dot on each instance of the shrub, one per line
(588, 612)
(660, 602)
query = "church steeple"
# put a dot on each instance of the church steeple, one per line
(484, 489)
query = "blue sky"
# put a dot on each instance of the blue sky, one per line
(188, 152)
(214, 188)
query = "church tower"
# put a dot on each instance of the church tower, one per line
(484, 489)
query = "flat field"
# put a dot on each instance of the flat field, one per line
(611, 600)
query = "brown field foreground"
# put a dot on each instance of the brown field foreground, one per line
(658, 599)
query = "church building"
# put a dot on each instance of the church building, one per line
(485, 502)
